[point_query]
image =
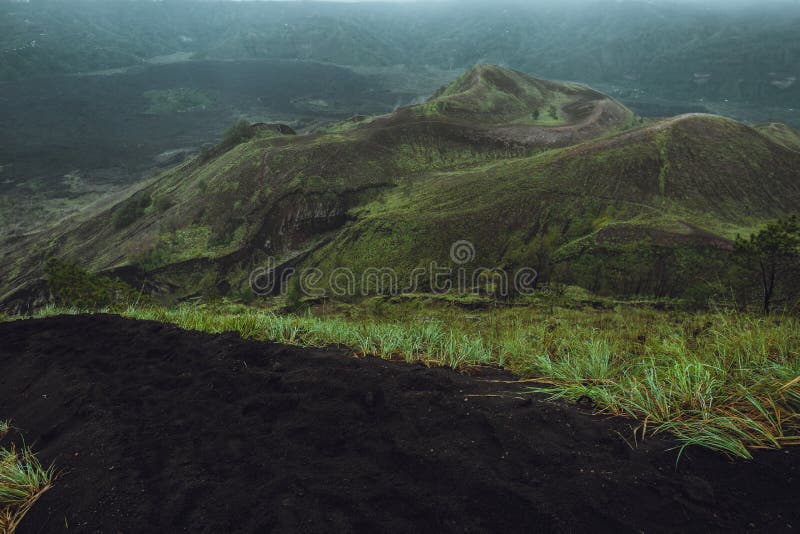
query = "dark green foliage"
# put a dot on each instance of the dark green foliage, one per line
(294, 294)
(72, 286)
(177, 100)
(163, 204)
(154, 258)
(206, 153)
(774, 255)
(131, 210)
(642, 267)
(240, 132)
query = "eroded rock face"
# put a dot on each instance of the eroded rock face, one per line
(313, 212)
(297, 217)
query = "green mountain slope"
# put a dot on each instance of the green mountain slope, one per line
(492, 95)
(782, 134)
(611, 214)
(593, 199)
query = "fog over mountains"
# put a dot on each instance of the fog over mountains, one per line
(677, 50)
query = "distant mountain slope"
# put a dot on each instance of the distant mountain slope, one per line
(493, 95)
(593, 199)
(782, 134)
(646, 49)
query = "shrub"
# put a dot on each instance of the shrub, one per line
(240, 132)
(163, 204)
(72, 286)
(206, 152)
(131, 210)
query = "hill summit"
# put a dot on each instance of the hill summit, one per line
(495, 95)
(515, 108)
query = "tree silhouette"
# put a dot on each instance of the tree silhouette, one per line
(774, 253)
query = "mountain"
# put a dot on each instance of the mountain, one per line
(629, 45)
(649, 211)
(545, 175)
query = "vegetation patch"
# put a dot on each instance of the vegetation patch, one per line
(131, 210)
(723, 380)
(240, 132)
(180, 100)
(69, 285)
(23, 480)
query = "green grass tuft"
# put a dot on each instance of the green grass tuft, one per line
(23, 480)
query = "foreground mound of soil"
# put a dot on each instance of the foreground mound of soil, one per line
(161, 430)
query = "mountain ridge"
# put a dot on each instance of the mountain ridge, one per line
(397, 190)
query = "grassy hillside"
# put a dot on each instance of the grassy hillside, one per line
(782, 134)
(603, 205)
(595, 198)
(609, 214)
(498, 96)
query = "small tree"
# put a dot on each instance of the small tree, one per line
(131, 210)
(238, 133)
(774, 253)
(206, 152)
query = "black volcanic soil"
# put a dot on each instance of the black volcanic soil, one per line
(161, 430)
